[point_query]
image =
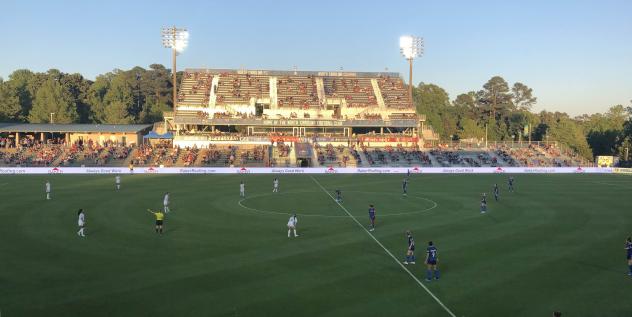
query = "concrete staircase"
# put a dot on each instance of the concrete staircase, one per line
(378, 94)
(320, 89)
(274, 97)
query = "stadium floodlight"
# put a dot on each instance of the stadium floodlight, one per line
(176, 39)
(411, 47)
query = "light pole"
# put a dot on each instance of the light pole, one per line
(411, 47)
(176, 39)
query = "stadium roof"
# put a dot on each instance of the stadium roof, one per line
(62, 128)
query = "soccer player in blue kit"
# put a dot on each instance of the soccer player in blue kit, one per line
(511, 183)
(431, 262)
(410, 252)
(496, 192)
(405, 187)
(372, 217)
(484, 203)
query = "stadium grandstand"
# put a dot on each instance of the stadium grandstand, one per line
(258, 118)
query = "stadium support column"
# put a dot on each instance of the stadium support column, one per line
(175, 80)
(410, 80)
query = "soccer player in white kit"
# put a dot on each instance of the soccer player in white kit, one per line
(47, 190)
(165, 202)
(291, 225)
(242, 189)
(117, 180)
(276, 185)
(81, 221)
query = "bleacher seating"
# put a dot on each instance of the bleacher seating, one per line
(394, 93)
(357, 92)
(297, 91)
(195, 89)
(236, 88)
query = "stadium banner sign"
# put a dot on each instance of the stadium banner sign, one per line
(622, 170)
(312, 170)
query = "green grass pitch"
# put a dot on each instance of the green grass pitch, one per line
(555, 244)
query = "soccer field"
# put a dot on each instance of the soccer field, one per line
(554, 244)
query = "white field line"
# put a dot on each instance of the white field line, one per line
(387, 251)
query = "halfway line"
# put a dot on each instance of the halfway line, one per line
(386, 250)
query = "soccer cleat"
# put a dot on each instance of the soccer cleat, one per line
(405, 262)
(413, 262)
(428, 280)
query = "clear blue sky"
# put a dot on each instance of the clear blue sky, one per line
(576, 55)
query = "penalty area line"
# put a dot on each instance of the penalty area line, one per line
(386, 250)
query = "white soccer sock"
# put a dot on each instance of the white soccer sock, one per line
(47, 196)
(289, 231)
(295, 235)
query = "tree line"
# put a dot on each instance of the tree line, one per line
(139, 95)
(504, 112)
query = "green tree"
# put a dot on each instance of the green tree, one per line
(522, 96)
(119, 97)
(10, 108)
(117, 112)
(495, 97)
(434, 102)
(53, 98)
(96, 98)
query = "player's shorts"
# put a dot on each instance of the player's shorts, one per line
(372, 217)
(432, 262)
(411, 249)
(158, 222)
(80, 223)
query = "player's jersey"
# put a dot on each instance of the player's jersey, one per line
(292, 221)
(405, 184)
(81, 219)
(242, 187)
(118, 179)
(496, 190)
(371, 212)
(484, 200)
(432, 253)
(338, 194)
(276, 183)
(411, 243)
(628, 248)
(48, 187)
(510, 181)
(166, 200)
(159, 215)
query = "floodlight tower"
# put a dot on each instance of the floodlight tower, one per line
(411, 47)
(176, 39)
